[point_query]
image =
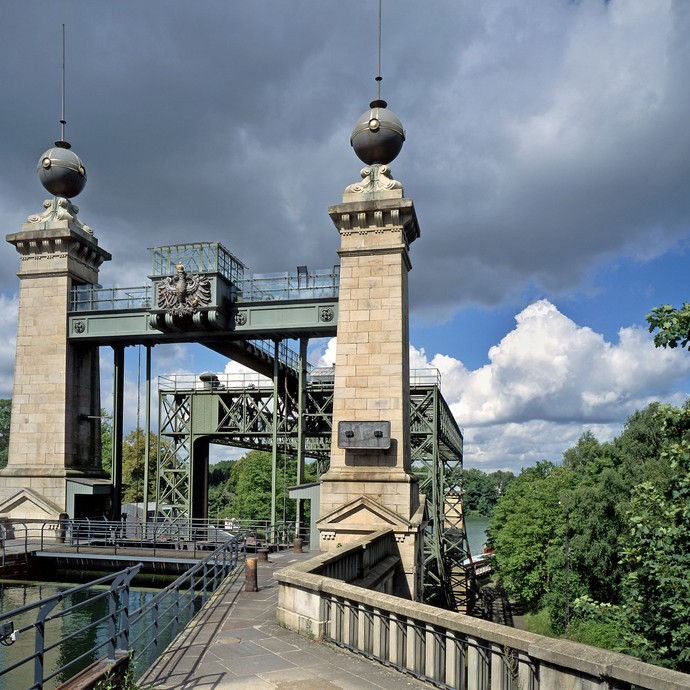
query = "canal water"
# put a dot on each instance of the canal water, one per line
(476, 526)
(15, 594)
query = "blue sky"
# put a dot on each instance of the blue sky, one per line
(547, 153)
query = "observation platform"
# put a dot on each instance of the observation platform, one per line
(235, 643)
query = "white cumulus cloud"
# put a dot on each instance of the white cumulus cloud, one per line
(548, 381)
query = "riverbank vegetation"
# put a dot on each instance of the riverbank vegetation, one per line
(481, 491)
(597, 548)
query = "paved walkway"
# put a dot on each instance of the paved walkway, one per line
(235, 643)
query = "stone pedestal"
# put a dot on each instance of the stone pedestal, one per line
(371, 489)
(56, 384)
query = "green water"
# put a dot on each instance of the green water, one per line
(15, 594)
(476, 526)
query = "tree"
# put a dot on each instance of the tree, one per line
(251, 479)
(527, 529)
(657, 554)
(476, 488)
(672, 325)
(481, 491)
(219, 473)
(606, 538)
(5, 415)
(221, 488)
(584, 454)
(106, 442)
(133, 457)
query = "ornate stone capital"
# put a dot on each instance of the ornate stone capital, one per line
(377, 183)
(60, 208)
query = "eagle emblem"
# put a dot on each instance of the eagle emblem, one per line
(183, 293)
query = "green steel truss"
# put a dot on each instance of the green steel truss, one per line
(437, 445)
(242, 414)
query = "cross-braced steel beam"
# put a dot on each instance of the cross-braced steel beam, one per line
(242, 415)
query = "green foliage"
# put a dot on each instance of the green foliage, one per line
(597, 624)
(539, 623)
(527, 530)
(606, 538)
(481, 491)
(219, 473)
(672, 325)
(5, 415)
(250, 478)
(106, 442)
(133, 460)
(657, 554)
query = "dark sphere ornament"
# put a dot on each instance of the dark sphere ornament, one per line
(61, 171)
(378, 135)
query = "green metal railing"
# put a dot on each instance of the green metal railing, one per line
(280, 287)
(111, 626)
(197, 257)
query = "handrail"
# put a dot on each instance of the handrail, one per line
(117, 583)
(159, 536)
(205, 576)
(278, 287)
(149, 628)
(268, 287)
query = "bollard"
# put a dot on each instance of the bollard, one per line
(250, 580)
(61, 528)
(297, 546)
(262, 554)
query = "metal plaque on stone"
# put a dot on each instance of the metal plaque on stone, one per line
(364, 435)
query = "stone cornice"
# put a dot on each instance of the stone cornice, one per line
(58, 242)
(376, 216)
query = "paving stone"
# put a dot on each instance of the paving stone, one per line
(274, 645)
(254, 665)
(234, 643)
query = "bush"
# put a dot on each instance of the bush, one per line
(539, 623)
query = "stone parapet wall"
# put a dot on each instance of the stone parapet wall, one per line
(449, 648)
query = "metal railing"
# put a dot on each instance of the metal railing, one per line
(198, 257)
(94, 298)
(112, 627)
(114, 602)
(278, 287)
(303, 284)
(317, 376)
(158, 621)
(158, 536)
(214, 383)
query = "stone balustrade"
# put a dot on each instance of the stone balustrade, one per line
(447, 649)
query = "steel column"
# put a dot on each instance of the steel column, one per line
(301, 405)
(274, 450)
(118, 412)
(147, 438)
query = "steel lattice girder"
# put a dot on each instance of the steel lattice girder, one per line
(243, 417)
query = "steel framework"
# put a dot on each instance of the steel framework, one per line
(246, 412)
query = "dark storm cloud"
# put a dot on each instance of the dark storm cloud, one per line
(543, 137)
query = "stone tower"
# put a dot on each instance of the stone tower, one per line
(369, 485)
(55, 430)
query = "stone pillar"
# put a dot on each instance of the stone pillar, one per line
(56, 384)
(370, 489)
